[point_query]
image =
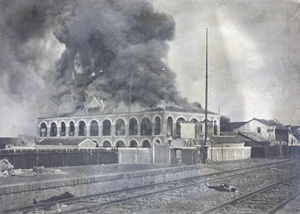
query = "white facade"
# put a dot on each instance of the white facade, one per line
(264, 131)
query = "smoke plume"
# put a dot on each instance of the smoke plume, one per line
(57, 55)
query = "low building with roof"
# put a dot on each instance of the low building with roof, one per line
(228, 147)
(262, 132)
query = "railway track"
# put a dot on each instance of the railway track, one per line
(102, 203)
(266, 200)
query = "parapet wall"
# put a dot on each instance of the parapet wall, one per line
(22, 194)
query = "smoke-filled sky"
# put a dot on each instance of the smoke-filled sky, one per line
(253, 51)
(55, 56)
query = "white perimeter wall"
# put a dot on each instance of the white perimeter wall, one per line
(228, 153)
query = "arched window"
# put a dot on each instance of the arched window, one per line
(215, 127)
(194, 120)
(82, 128)
(106, 131)
(178, 128)
(133, 127)
(72, 129)
(120, 144)
(146, 144)
(133, 144)
(106, 144)
(157, 141)
(120, 127)
(94, 128)
(157, 126)
(62, 129)
(43, 130)
(146, 128)
(170, 126)
(53, 130)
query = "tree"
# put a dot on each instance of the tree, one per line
(225, 124)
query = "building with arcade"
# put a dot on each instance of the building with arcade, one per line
(125, 129)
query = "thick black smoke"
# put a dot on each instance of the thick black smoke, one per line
(60, 54)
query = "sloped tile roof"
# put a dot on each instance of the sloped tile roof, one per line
(295, 130)
(228, 139)
(275, 122)
(234, 125)
(71, 142)
(253, 136)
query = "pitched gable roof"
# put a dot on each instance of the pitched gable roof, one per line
(69, 142)
(271, 123)
(95, 103)
(275, 122)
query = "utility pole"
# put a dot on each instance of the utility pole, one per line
(206, 90)
(206, 86)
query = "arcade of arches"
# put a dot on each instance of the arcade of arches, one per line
(141, 130)
(62, 129)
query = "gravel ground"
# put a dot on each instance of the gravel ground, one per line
(292, 207)
(188, 200)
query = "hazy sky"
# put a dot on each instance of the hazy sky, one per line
(253, 55)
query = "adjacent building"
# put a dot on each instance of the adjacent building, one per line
(295, 136)
(263, 132)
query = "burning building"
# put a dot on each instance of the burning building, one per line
(128, 129)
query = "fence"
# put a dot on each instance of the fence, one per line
(295, 151)
(270, 152)
(26, 159)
